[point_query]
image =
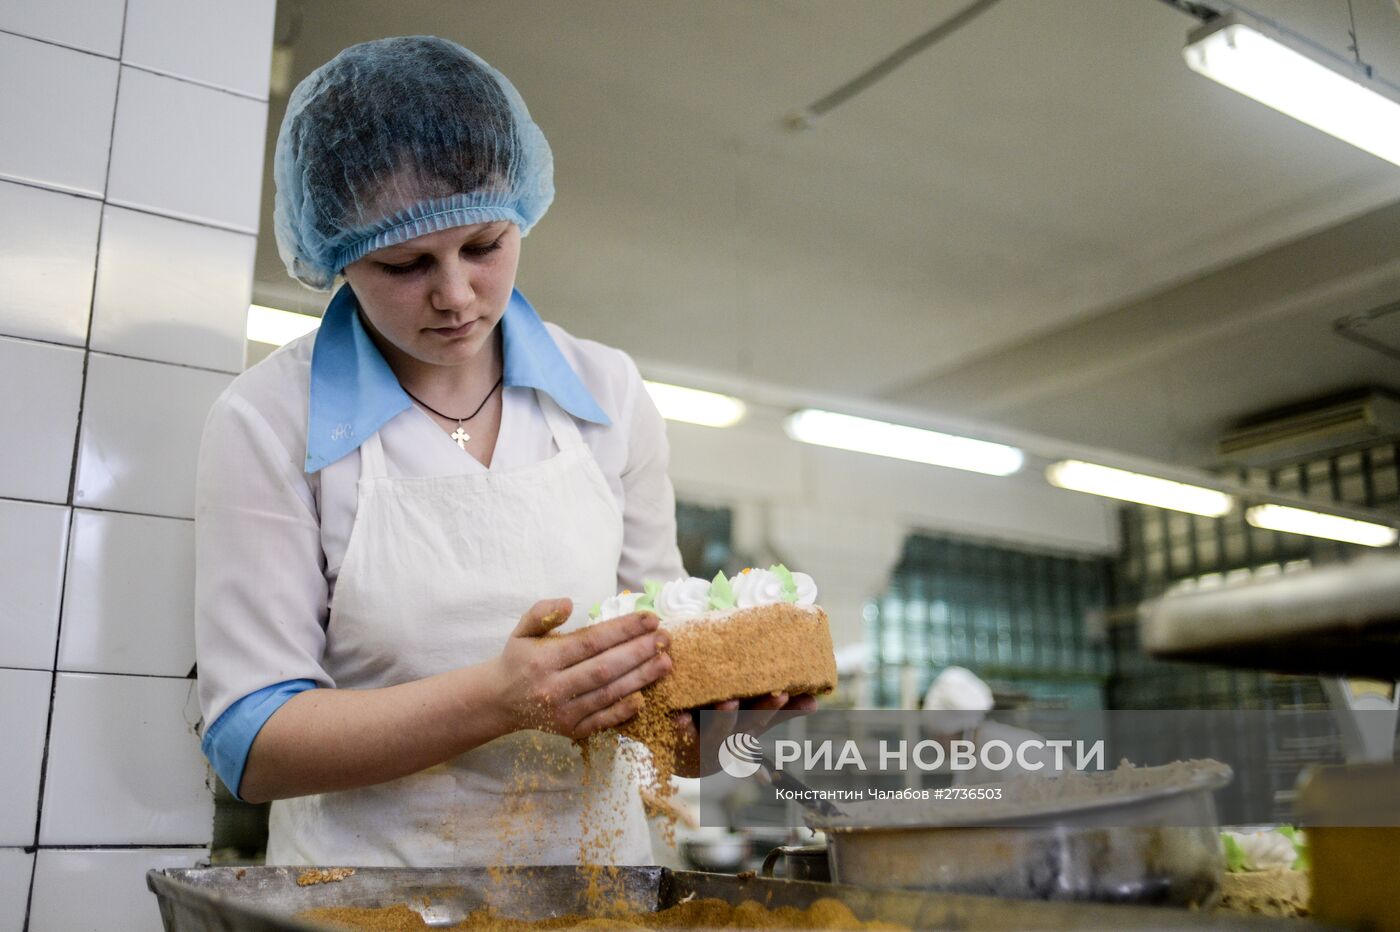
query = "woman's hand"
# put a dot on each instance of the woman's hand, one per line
(688, 737)
(581, 682)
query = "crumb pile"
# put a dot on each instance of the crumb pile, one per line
(1280, 892)
(373, 919)
(314, 875)
(824, 913)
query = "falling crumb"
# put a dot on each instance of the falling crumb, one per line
(712, 662)
(607, 772)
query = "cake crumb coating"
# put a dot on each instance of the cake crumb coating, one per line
(745, 653)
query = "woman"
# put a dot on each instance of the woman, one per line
(380, 501)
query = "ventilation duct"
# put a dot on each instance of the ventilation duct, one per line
(1303, 432)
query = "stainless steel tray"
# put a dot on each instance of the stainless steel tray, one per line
(1342, 620)
(266, 899)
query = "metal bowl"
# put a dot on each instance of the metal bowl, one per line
(718, 855)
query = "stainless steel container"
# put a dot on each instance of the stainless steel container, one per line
(1158, 846)
(799, 862)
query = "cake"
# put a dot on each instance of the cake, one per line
(756, 634)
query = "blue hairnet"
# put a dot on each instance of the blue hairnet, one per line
(396, 138)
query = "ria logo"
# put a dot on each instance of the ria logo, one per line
(740, 754)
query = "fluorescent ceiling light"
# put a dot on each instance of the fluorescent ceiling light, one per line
(1135, 487)
(881, 438)
(694, 406)
(269, 325)
(1293, 80)
(1317, 524)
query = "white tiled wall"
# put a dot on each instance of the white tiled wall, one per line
(128, 209)
(124, 764)
(227, 45)
(172, 291)
(40, 388)
(49, 244)
(67, 94)
(16, 867)
(91, 25)
(208, 166)
(130, 595)
(33, 538)
(24, 706)
(140, 435)
(113, 884)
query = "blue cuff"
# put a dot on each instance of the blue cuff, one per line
(227, 742)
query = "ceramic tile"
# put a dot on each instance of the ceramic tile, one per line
(188, 151)
(94, 25)
(142, 423)
(40, 385)
(172, 291)
(124, 764)
(129, 602)
(228, 45)
(57, 110)
(16, 867)
(24, 714)
(33, 540)
(49, 241)
(113, 884)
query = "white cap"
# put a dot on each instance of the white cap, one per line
(958, 689)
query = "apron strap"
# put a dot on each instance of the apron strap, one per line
(561, 424)
(372, 458)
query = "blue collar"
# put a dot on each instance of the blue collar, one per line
(354, 392)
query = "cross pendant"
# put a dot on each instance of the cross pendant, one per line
(461, 436)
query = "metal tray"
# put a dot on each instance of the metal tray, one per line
(266, 899)
(1342, 620)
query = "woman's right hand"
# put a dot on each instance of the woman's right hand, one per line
(582, 682)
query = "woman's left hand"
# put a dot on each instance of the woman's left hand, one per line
(688, 738)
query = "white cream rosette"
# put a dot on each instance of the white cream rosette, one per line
(755, 587)
(683, 598)
(1265, 850)
(624, 603)
(806, 589)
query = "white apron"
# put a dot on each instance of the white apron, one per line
(436, 575)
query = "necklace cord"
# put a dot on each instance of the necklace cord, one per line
(459, 420)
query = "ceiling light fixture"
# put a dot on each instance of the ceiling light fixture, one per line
(881, 438)
(272, 326)
(1318, 524)
(694, 406)
(1079, 476)
(1299, 79)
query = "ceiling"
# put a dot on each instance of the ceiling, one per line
(1046, 221)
